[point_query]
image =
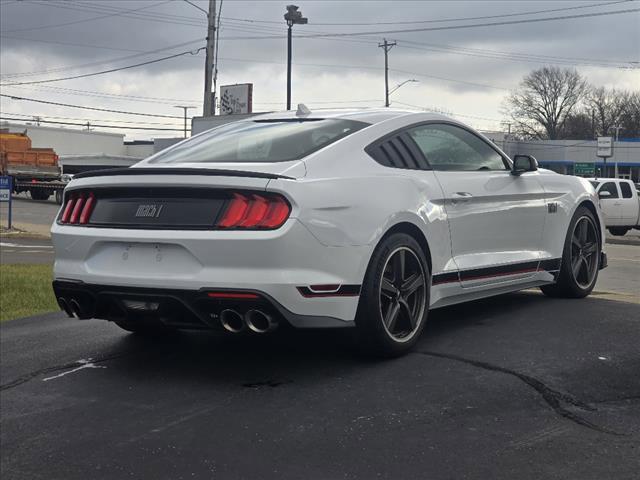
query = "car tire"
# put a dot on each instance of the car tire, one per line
(570, 284)
(392, 311)
(618, 231)
(144, 327)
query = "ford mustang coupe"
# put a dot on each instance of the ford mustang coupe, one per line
(365, 219)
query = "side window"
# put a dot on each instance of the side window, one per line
(448, 147)
(626, 190)
(611, 188)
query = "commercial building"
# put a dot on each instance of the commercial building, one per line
(574, 157)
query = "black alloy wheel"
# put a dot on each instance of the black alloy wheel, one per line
(580, 258)
(584, 251)
(394, 299)
(402, 294)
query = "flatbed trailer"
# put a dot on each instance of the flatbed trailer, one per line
(41, 190)
(34, 170)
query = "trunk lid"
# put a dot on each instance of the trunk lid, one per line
(168, 197)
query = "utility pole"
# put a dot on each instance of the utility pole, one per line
(185, 108)
(292, 17)
(208, 107)
(387, 46)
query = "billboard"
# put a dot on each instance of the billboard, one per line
(236, 98)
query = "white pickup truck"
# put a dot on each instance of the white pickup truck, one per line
(619, 203)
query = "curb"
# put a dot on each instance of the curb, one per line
(622, 241)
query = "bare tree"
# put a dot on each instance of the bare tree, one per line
(540, 105)
(578, 126)
(630, 115)
(607, 107)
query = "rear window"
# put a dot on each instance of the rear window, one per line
(260, 141)
(626, 190)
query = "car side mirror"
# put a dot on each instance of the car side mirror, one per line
(523, 163)
(604, 194)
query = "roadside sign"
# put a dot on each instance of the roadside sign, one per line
(605, 147)
(584, 169)
(5, 195)
(5, 189)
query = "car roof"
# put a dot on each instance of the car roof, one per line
(368, 115)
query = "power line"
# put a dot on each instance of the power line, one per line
(494, 54)
(43, 27)
(441, 20)
(435, 110)
(447, 27)
(91, 93)
(111, 60)
(501, 52)
(476, 25)
(83, 45)
(99, 126)
(93, 74)
(484, 17)
(13, 97)
(147, 16)
(137, 122)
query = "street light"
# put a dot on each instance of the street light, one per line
(185, 108)
(411, 80)
(292, 17)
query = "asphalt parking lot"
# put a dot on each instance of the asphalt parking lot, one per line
(519, 386)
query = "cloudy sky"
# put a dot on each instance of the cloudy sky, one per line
(465, 72)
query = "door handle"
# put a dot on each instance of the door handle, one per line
(460, 197)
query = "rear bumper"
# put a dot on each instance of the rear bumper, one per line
(184, 309)
(273, 263)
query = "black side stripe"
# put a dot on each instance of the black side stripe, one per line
(548, 265)
(449, 277)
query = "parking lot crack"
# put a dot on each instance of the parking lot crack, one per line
(57, 368)
(559, 402)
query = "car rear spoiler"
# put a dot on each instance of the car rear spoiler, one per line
(178, 171)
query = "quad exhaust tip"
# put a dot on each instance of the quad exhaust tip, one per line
(232, 321)
(260, 322)
(256, 321)
(65, 306)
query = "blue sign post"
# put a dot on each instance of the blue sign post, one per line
(5, 195)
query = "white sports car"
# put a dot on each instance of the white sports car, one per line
(364, 219)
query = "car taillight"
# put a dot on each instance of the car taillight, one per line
(87, 209)
(255, 211)
(78, 209)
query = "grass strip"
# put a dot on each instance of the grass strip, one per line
(25, 290)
